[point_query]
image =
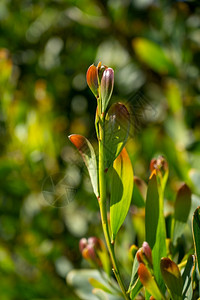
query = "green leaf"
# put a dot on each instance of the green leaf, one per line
(79, 280)
(117, 125)
(136, 289)
(89, 157)
(134, 275)
(187, 278)
(153, 55)
(149, 282)
(196, 234)
(152, 212)
(99, 285)
(135, 284)
(172, 278)
(155, 228)
(121, 191)
(101, 295)
(139, 192)
(182, 210)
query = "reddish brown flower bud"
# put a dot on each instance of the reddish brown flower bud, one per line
(82, 244)
(147, 252)
(153, 164)
(159, 164)
(139, 255)
(94, 241)
(92, 79)
(144, 255)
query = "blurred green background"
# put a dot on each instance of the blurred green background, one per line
(46, 199)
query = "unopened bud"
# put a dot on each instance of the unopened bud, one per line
(144, 255)
(107, 83)
(82, 244)
(94, 241)
(92, 79)
(101, 69)
(159, 164)
(147, 252)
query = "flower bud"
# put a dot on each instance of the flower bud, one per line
(92, 79)
(94, 241)
(147, 252)
(107, 83)
(144, 255)
(101, 69)
(89, 253)
(159, 164)
(82, 244)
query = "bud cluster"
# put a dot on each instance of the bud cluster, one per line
(160, 164)
(100, 80)
(89, 249)
(144, 255)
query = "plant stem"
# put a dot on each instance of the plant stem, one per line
(103, 210)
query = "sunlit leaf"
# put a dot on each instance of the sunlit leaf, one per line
(172, 278)
(196, 234)
(117, 125)
(121, 191)
(89, 157)
(153, 55)
(182, 210)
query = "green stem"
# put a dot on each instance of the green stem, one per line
(103, 210)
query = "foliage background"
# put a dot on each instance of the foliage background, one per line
(46, 48)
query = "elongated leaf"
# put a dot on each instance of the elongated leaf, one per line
(99, 285)
(135, 283)
(134, 275)
(79, 280)
(172, 277)
(196, 234)
(149, 282)
(152, 212)
(121, 191)
(153, 55)
(155, 228)
(136, 289)
(187, 278)
(182, 210)
(139, 192)
(117, 125)
(101, 295)
(88, 154)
